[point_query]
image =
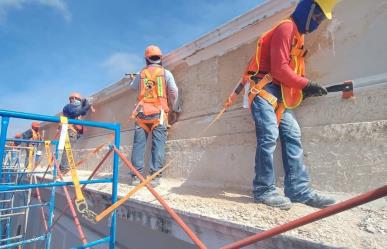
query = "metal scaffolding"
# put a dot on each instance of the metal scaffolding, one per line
(21, 181)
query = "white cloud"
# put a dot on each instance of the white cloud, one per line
(121, 63)
(8, 5)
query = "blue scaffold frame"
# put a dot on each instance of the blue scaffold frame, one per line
(6, 115)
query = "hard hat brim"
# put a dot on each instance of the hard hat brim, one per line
(328, 15)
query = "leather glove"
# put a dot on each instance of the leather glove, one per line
(313, 89)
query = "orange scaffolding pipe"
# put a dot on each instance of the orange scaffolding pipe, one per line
(44, 220)
(83, 187)
(77, 224)
(171, 212)
(334, 209)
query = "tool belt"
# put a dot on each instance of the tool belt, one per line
(257, 89)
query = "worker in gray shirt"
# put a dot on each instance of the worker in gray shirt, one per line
(157, 101)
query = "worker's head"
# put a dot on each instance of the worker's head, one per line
(75, 98)
(18, 135)
(310, 13)
(35, 126)
(153, 55)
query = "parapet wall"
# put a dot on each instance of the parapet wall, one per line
(345, 141)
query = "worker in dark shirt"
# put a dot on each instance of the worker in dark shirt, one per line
(77, 108)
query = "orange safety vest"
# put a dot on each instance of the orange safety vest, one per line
(291, 97)
(35, 135)
(152, 98)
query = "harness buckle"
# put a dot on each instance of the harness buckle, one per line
(83, 209)
(81, 206)
(272, 100)
(255, 91)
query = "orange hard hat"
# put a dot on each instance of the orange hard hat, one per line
(75, 95)
(18, 135)
(152, 50)
(35, 125)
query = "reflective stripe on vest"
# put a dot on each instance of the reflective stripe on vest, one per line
(152, 96)
(35, 135)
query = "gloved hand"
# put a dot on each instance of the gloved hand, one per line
(313, 89)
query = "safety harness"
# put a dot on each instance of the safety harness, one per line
(47, 146)
(31, 150)
(35, 135)
(80, 201)
(291, 97)
(152, 98)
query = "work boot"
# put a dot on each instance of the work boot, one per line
(155, 182)
(135, 181)
(319, 201)
(277, 201)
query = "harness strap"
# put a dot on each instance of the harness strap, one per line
(47, 147)
(147, 124)
(257, 89)
(80, 201)
(31, 150)
(71, 162)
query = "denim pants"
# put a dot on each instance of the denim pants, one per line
(296, 184)
(159, 139)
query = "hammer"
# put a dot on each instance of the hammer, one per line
(346, 88)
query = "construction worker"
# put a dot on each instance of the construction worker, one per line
(16, 143)
(277, 85)
(14, 148)
(32, 134)
(75, 109)
(157, 92)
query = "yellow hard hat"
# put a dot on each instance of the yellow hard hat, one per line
(327, 6)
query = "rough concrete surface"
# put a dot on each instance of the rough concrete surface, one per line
(361, 227)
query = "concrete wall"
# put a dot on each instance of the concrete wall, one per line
(345, 141)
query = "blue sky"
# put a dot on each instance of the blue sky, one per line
(49, 48)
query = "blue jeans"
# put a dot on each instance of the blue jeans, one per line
(159, 139)
(297, 187)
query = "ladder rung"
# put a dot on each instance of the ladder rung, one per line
(12, 238)
(2, 216)
(13, 191)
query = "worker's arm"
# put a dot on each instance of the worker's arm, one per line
(135, 83)
(85, 107)
(74, 111)
(280, 47)
(173, 91)
(27, 134)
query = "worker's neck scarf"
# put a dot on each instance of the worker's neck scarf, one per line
(307, 16)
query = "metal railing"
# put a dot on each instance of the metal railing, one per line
(7, 187)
